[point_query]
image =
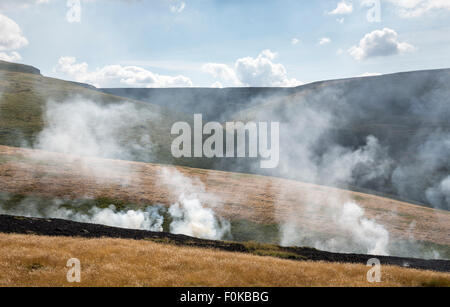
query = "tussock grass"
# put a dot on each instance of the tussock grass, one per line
(27, 260)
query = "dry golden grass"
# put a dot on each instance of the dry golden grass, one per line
(237, 196)
(27, 260)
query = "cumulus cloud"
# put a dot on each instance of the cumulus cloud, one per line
(324, 41)
(11, 38)
(417, 8)
(295, 41)
(10, 57)
(118, 75)
(343, 8)
(249, 71)
(221, 71)
(379, 43)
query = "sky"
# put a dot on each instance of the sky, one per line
(223, 43)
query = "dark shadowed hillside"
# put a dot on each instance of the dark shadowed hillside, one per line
(216, 104)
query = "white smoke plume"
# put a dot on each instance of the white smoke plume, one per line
(149, 219)
(86, 128)
(353, 232)
(187, 217)
(190, 217)
(83, 129)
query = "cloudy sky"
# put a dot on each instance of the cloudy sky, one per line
(204, 43)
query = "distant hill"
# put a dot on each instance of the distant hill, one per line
(215, 104)
(14, 67)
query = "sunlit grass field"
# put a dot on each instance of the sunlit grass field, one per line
(28, 260)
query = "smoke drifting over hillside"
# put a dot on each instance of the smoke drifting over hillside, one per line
(187, 216)
(85, 128)
(388, 134)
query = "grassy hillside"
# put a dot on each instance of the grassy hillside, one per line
(117, 262)
(23, 98)
(14, 67)
(255, 205)
(407, 113)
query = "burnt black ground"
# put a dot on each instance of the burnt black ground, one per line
(57, 227)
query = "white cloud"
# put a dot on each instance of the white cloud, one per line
(324, 41)
(221, 71)
(10, 57)
(379, 43)
(217, 84)
(249, 71)
(177, 6)
(416, 8)
(11, 37)
(369, 74)
(118, 75)
(295, 41)
(343, 8)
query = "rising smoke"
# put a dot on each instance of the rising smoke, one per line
(187, 216)
(339, 135)
(81, 129)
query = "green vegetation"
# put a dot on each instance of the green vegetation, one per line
(23, 98)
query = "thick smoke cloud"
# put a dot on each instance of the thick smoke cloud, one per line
(382, 134)
(187, 217)
(85, 128)
(387, 134)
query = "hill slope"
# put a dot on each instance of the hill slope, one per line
(257, 207)
(28, 99)
(406, 115)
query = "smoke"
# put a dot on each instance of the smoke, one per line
(192, 219)
(187, 216)
(86, 128)
(148, 219)
(440, 195)
(83, 129)
(354, 232)
(432, 162)
(311, 152)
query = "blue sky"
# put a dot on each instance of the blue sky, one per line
(152, 43)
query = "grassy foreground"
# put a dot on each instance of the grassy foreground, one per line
(28, 260)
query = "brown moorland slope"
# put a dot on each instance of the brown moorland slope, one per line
(25, 261)
(259, 199)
